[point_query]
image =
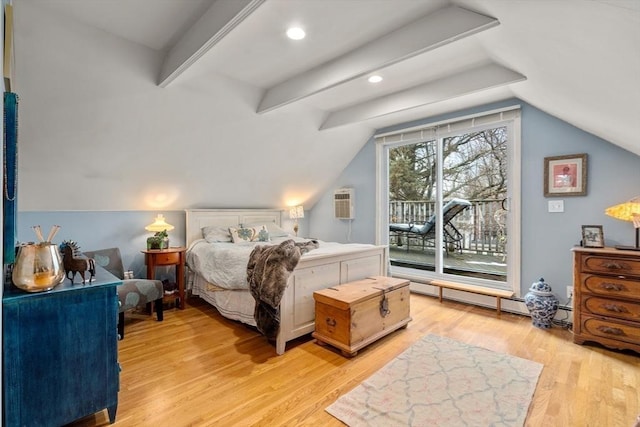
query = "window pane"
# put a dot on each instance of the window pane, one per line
(474, 184)
(412, 190)
(475, 169)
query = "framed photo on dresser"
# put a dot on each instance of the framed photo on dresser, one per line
(592, 236)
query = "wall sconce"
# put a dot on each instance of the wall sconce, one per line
(628, 211)
(161, 239)
(295, 213)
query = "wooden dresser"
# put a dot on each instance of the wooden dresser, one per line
(607, 297)
(60, 352)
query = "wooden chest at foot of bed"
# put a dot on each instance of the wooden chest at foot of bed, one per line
(355, 314)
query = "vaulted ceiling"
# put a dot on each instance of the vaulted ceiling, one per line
(577, 60)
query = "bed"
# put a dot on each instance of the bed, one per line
(328, 265)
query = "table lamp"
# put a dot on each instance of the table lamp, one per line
(295, 213)
(628, 211)
(160, 240)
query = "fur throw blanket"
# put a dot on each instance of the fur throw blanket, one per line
(268, 271)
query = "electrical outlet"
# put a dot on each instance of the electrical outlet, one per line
(569, 291)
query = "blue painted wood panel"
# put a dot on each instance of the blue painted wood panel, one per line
(60, 352)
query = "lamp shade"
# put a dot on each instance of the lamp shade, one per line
(159, 225)
(627, 211)
(296, 212)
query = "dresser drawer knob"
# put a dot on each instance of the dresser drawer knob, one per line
(610, 330)
(612, 287)
(331, 321)
(615, 266)
(615, 308)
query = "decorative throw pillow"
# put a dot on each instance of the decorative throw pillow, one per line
(272, 229)
(258, 233)
(216, 233)
(240, 234)
(263, 234)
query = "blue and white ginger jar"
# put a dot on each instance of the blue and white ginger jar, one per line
(542, 304)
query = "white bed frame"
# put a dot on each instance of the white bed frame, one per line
(297, 307)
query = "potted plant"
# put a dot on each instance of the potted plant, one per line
(160, 240)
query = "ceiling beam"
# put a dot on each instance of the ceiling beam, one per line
(213, 26)
(430, 32)
(463, 83)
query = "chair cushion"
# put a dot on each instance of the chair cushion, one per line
(137, 292)
(411, 228)
(109, 259)
(407, 228)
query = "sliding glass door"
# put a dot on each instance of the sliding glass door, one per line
(449, 200)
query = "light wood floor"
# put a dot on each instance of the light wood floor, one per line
(198, 369)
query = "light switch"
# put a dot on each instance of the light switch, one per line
(556, 205)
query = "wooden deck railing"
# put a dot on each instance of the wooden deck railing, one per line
(480, 224)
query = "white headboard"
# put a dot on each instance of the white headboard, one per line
(199, 218)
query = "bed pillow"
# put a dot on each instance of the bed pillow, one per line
(263, 234)
(242, 234)
(273, 229)
(216, 233)
(249, 234)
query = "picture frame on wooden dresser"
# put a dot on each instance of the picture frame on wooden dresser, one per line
(592, 236)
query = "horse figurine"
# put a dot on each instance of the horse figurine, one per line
(74, 265)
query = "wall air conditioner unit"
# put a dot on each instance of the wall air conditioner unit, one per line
(343, 203)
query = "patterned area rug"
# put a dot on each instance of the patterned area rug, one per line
(442, 382)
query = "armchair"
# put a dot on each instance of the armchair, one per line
(133, 292)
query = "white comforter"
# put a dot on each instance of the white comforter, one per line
(225, 264)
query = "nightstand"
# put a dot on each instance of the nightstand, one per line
(162, 257)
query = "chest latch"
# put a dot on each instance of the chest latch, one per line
(384, 303)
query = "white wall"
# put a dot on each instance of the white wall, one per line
(97, 133)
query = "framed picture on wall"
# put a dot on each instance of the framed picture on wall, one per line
(592, 236)
(565, 175)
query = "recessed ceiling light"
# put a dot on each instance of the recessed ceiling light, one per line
(375, 79)
(296, 33)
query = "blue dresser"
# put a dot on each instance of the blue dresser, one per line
(60, 352)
